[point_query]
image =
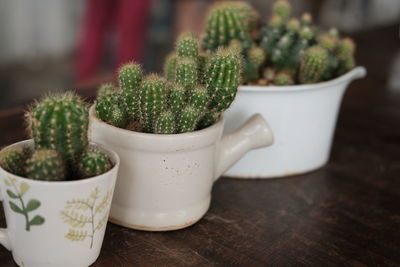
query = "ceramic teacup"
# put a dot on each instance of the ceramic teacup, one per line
(56, 223)
(165, 181)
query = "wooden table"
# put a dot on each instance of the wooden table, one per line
(347, 213)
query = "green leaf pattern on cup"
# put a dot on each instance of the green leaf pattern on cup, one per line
(17, 192)
(86, 216)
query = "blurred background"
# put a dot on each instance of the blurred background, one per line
(53, 45)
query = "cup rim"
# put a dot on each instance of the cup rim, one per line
(357, 72)
(112, 155)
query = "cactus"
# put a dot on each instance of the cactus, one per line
(283, 78)
(223, 78)
(130, 77)
(60, 122)
(170, 66)
(153, 100)
(165, 123)
(313, 64)
(186, 73)
(345, 55)
(46, 165)
(13, 160)
(177, 98)
(227, 21)
(111, 109)
(282, 8)
(187, 46)
(92, 163)
(188, 119)
(199, 98)
(208, 119)
(255, 58)
(106, 89)
(306, 19)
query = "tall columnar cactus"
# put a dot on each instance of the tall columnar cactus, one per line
(186, 73)
(199, 98)
(92, 163)
(188, 119)
(313, 64)
(130, 77)
(153, 100)
(170, 66)
(227, 21)
(255, 58)
(60, 122)
(187, 46)
(282, 8)
(165, 123)
(345, 55)
(111, 108)
(177, 98)
(46, 165)
(13, 160)
(223, 78)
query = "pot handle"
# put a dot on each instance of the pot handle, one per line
(255, 133)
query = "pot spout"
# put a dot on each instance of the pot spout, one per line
(255, 133)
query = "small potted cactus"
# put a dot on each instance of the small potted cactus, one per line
(294, 74)
(57, 187)
(168, 132)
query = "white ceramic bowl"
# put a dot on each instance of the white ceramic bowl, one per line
(303, 118)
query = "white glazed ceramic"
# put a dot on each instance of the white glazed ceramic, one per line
(64, 222)
(303, 118)
(165, 181)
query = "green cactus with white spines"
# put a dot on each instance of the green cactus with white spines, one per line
(227, 21)
(282, 8)
(188, 119)
(170, 66)
(93, 162)
(313, 64)
(46, 165)
(13, 160)
(106, 89)
(186, 73)
(345, 55)
(199, 98)
(223, 78)
(177, 98)
(60, 122)
(283, 78)
(153, 100)
(187, 46)
(130, 77)
(208, 119)
(165, 123)
(111, 108)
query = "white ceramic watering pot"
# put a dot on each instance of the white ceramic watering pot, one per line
(165, 181)
(58, 223)
(303, 118)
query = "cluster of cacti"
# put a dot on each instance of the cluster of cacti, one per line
(59, 128)
(277, 53)
(197, 88)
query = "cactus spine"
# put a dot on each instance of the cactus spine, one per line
(60, 122)
(93, 162)
(46, 165)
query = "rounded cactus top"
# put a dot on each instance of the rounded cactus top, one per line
(346, 46)
(187, 45)
(282, 8)
(306, 18)
(130, 76)
(293, 25)
(276, 21)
